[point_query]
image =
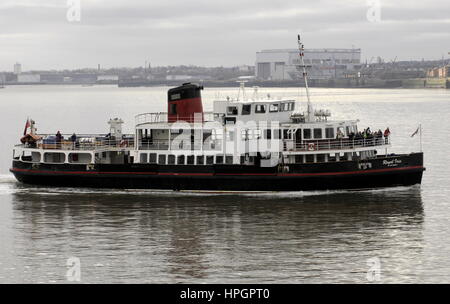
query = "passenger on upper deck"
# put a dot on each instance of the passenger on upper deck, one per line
(387, 132)
(59, 138)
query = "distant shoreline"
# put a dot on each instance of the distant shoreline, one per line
(418, 83)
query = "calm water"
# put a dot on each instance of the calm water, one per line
(165, 237)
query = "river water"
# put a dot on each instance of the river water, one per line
(166, 237)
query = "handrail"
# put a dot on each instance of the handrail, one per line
(162, 117)
(211, 145)
(338, 144)
(81, 144)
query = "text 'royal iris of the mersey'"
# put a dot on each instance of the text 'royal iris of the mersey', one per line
(245, 144)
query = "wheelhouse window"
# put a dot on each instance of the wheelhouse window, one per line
(200, 160)
(287, 106)
(219, 159)
(171, 159)
(246, 109)
(307, 133)
(274, 107)
(259, 108)
(329, 132)
(232, 111)
(317, 133)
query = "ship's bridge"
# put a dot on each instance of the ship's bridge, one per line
(230, 111)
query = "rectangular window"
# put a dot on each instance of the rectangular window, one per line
(171, 159)
(286, 106)
(267, 134)
(229, 160)
(190, 159)
(260, 108)
(180, 160)
(277, 133)
(320, 158)
(162, 159)
(309, 158)
(246, 109)
(232, 111)
(200, 160)
(152, 159)
(274, 107)
(317, 133)
(299, 159)
(230, 135)
(173, 108)
(219, 159)
(209, 160)
(307, 133)
(143, 158)
(329, 132)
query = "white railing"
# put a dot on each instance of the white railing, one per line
(338, 144)
(82, 142)
(180, 145)
(162, 117)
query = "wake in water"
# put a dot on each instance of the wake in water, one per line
(9, 185)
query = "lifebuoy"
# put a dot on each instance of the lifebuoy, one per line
(123, 143)
(311, 147)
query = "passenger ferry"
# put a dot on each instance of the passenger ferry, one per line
(245, 144)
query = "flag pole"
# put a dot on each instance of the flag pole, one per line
(420, 130)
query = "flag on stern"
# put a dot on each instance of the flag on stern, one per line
(27, 125)
(415, 132)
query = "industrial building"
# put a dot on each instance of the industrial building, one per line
(282, 64)
(440, 72)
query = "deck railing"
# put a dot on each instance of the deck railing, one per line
(338, 144)
(162, 117)
(82, 142)
(180, 145)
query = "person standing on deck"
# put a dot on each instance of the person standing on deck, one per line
(58, 139)
(387, 132)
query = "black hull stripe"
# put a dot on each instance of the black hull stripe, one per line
(18, 170)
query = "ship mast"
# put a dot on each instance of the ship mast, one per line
(301, 49)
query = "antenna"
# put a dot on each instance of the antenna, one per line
(301, 49)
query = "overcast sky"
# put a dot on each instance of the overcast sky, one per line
(118, 33)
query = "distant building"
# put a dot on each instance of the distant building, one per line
(28, 78)
(108, 78)
(52, 78)
(80, 78)
(282, 64)
(439, 72)
(17, 68)
(246, 68)
(178, 77)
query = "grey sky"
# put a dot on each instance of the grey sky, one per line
(212, 33)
